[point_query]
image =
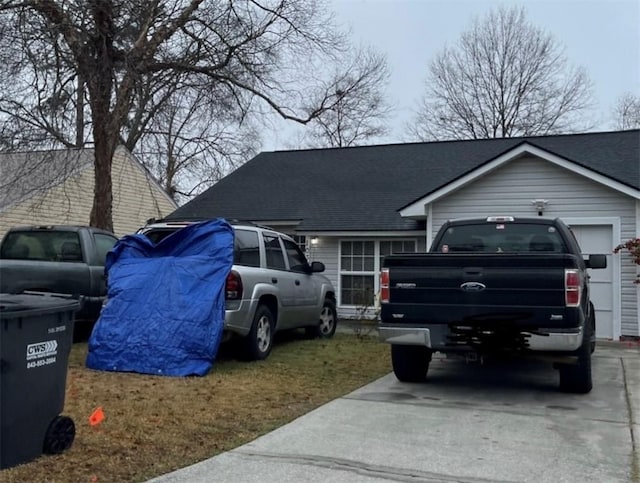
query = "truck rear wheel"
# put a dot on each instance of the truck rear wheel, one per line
(410, 362)
(592, 323)
(576, 378)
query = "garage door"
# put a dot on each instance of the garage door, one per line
(599, 239)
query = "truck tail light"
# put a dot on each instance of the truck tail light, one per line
(233, 286)
(384, 286)
(572, 288)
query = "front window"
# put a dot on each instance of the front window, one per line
(358, 290)
(301, 241)
(396, 246)
(360, 262)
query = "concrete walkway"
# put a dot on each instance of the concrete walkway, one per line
(469, 423)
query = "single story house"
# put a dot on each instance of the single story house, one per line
(56, 187)
(351, 206)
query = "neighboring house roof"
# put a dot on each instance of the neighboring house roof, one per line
(363, 188)
(25, 174)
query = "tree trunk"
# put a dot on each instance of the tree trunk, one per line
(101, 212)
(106, 132)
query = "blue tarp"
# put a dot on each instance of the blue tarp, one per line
(165, 309)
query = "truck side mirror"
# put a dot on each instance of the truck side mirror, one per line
(596, 261)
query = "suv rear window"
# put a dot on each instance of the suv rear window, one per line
(246, 250)
(502, 237)
(158, 234)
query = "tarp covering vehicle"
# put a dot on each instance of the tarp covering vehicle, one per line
(165, 309)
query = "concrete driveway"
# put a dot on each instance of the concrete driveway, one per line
(469, 423)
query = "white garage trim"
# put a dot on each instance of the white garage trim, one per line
(430, 226)
(637, 268)
(615, 261)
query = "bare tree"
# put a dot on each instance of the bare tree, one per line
(257, 55)
(626, 112)
(504, 78)
(191, 142)
(360, 111)
(39, 88)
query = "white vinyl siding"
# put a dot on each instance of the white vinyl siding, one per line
(136, 195)
(509, 190)
(326, 251)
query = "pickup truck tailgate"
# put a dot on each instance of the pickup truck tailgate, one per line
(480, 289)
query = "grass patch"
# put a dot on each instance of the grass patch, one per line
(157, 424)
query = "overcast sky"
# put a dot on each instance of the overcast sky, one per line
(601, 35)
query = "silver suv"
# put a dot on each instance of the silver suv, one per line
(271, 287)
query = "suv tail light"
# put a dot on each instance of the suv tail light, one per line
(233, 286)
(572, 288)
(384, 286)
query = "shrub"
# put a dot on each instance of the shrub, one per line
(633, 247)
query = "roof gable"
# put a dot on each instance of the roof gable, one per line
(28, 173)
(416, 208)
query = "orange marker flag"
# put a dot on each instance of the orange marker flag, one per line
(96, 417)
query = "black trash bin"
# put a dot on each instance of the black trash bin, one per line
(36, 334)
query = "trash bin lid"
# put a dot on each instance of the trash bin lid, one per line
(16, 305)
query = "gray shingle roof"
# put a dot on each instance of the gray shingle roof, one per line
(362, 188)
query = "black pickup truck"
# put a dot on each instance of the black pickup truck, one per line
(494, 285)
(61, 259)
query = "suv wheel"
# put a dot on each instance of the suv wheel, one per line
(328, 321)
(259, 341)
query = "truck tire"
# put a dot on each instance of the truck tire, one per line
(410, 362)
(258, 342)
(326, 327)
(592, 323)
(576, 378)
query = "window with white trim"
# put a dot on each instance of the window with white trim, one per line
(360, 263)
(301, 241)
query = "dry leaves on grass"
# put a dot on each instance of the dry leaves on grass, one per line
(156, 424)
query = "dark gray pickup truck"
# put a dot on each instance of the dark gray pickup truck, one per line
(494, 285)
(60, 259)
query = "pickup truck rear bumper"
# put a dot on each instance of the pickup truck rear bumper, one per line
(542, 340)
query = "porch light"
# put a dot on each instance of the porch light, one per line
(539, 205)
